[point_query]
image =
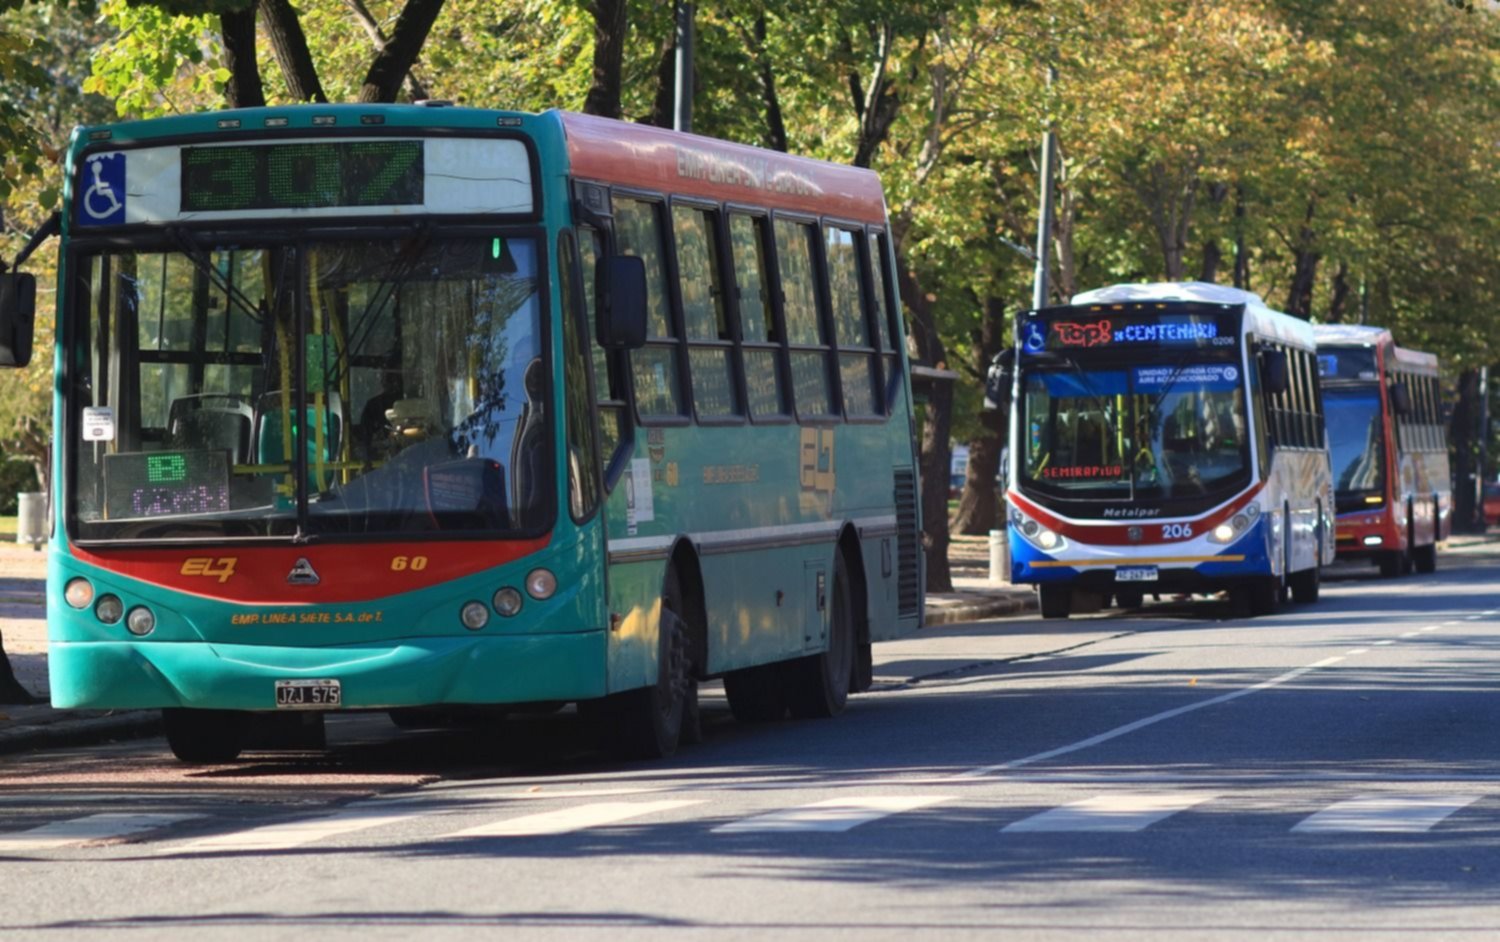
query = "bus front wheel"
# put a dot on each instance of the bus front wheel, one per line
(819, 683)
(1055, 600)
(649, 722)
(204, 736)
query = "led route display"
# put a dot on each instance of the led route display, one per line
(302, 175)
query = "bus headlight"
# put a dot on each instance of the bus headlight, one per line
(474, 615)
(109, 609)
(140, 622)
(79, 592)
(1047, 539)
(541, 583)
(507, 601)
(1034, 533)
(1230, 530)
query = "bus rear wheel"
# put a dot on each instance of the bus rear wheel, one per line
(1392, 563)
(757, 694)
(1306, 585)
(204, 736)
(1055, 600)
(818, 685)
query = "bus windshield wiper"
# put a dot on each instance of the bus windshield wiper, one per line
(201, 261)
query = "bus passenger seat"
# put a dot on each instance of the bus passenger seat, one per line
(211, 422)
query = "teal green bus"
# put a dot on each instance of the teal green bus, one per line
(417, 408)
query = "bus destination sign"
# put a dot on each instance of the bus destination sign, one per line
(302, 175)
(1076, 330)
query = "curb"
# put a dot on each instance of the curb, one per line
(978, 611)
(81, 731)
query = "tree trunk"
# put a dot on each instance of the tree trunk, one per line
(1241, 250)
(289, 45)
(936, 458)
(610, 25)
(1466, 472)
(243, 90)
(1340, 295)
(1305, 260)
(664, 106)
(414, 86)
(775, 125)
(979, 504)
(1213, 256)
(394, 62)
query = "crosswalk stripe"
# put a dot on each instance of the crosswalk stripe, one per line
(1118, 812)
(1385, 813)
(290, 834)
(565, 820)
(833, 815)
(94, 827)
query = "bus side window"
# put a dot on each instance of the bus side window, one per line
(851, 328)
(638, 232)
(609, 378)
(795, 261)
(704, 317)
(765, 368)
(582, 460)
(884, 308)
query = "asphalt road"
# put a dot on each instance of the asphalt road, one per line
(1330, 772)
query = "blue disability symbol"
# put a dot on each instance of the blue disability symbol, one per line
(1035, 337)
(103, 199)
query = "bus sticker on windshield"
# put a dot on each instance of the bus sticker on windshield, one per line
(1203, 375)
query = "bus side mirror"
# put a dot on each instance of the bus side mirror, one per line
(622, 318)
(997, 381)
(17, 318)
(1275, 376)
(1400, 398)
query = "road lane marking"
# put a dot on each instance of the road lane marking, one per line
(1117, 813)
(1411, 634)
(1357, 651)
(833, 815)
(1473, 618)
(1387, 641)
(1431, 628)
(565, 820)
(1385, 813)
(94, 827)
(1152, 720)
(288, 834)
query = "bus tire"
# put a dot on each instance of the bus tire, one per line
(204, 736)
(648, 721)
(1424, 558)
(818, 685)
(1055, 600)
(1307, 584)
(1392, 563)
(1265, 595)
(757, 694)
(1130, 598)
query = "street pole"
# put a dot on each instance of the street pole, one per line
(1039, 286)
(682, 88)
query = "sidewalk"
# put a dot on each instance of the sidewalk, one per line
(23, 629)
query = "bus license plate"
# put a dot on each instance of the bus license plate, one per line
(308, 694)
(1135, 574)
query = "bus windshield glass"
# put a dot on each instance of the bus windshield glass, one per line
(1355, 442)
(359, 387)
(1143, 432)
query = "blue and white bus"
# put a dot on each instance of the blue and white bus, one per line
(1166, 438)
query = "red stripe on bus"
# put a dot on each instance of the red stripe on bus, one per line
(1116, 533)
(346, 572)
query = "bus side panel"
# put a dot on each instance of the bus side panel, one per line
(635, 599)
(760, 604)
(880, 586)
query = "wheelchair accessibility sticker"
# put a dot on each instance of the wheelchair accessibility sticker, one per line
(103, 200)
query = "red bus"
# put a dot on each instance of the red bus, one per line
(1389, 448)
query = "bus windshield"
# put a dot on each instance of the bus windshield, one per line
(1355, 442)
(367, 386)
(1135, 433)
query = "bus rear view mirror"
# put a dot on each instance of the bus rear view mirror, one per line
(1275, 376)
(17, 318)
(1400, 398)
(622, 320)
(997, 381)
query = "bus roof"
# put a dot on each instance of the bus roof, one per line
(1350, 335)
(1258, 316)
(662, 160)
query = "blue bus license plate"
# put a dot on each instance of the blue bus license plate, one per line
(308, 694)
(1135, 574)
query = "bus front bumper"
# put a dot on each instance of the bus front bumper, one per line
(118, 675)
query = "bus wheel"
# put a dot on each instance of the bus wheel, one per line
(648, 721)
(1266, 595)
(1425, 557)
(1392, 563)
(204, 735)
(818, 685)
(1055, 600)
(757, 694)
(1306, 585)
(1130, 598)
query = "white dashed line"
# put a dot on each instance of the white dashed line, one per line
(1386, 641)
(1357, 651)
